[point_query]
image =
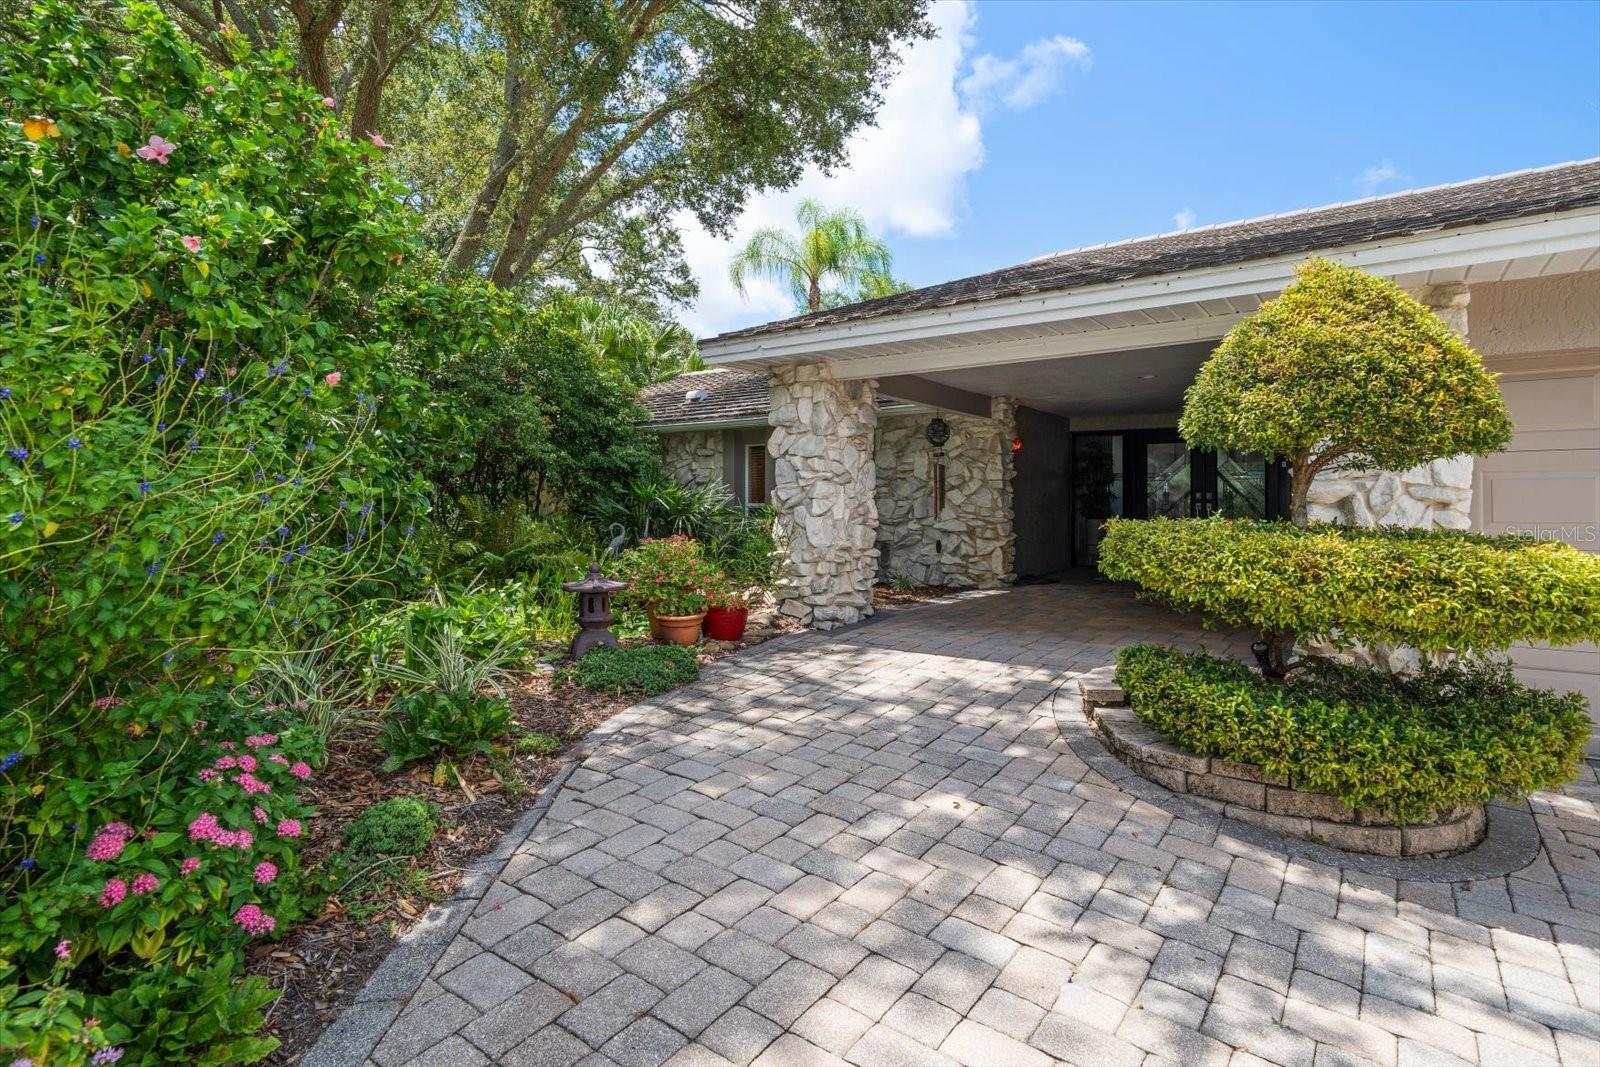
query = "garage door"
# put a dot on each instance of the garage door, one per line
(1548, 483)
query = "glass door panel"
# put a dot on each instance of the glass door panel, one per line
(1167, 480)
(1097, 491)
(1241, 485)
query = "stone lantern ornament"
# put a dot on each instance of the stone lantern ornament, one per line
(594, 610)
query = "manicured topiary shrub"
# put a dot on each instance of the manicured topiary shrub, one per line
(642, 669)
(1409, 747)
(1344, 370)
(1433, 590)
(399, 826)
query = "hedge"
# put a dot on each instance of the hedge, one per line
(1432, 589)
(1407, 747)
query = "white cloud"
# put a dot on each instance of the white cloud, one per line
(1184, 219)
(1026, 78)
(1374, 176)
(907, 175)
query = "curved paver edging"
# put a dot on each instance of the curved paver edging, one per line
(1510, 844)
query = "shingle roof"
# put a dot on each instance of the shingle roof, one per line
(1507, 196)
(730, 394)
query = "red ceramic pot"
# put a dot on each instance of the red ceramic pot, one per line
(726, 624)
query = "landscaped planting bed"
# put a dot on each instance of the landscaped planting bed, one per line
(1340, 755)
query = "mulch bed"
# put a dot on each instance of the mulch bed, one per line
(323, 962)
(888, 596)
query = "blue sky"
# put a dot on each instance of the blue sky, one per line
(1027, 128)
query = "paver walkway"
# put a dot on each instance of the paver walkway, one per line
(875, 847)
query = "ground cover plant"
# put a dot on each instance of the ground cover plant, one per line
(1407, 748)
(644, 670)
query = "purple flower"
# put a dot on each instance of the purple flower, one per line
(151, 570)
(28, 863)
(39, 257)
(147, 358)
(161, 377)
(181, 360)
(199, 374)
(17, 452)
(282, 478)
(161, 427)
(194, 444)
(283, 531)
(5, 392)
(217, 537)
(105, 1056)
(11, 760)
(144, 488)
(73, 442)
(16, 517)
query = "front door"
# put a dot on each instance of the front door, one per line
(1147, 474)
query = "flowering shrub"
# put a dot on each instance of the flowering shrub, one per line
(193, 401)
(165, 842)
(669, 575)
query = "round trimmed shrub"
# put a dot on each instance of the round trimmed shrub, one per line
(1407, 747)
(642, 669)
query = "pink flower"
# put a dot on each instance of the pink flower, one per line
(289, 828)
(207, 774)
(261, 815)
(240, 839)
(104, 703)
(189, 865)
(63, 950)
(145, 883)
(278, 757)
(229, 745)
(332, 378)
(191, 242)
(253, 920)
(158, 149)
(210, 89)
(251, 784)
(327, 101)
(376, 139)
(109, 842)
(261, 740)
(265, 873)
(204, 828)
(301, 769)
(226, 763)
(247, 763)
(116, 889)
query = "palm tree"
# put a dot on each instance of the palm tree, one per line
(832, 246)
(644, 349)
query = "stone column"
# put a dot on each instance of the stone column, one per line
(824, 479)
(1430, 495)
(1003, 410)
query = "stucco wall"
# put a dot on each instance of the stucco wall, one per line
(1536, 315)
(970, 542)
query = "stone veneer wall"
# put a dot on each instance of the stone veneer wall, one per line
(692, 457)
(972, 542)
(824, 477)
(1432, 495)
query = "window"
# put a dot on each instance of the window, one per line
(755, 475)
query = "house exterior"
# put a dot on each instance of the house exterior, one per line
(1059, 382)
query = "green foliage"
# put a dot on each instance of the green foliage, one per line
(310, 687)
(832, 247)
(538, 412)
(469, 540)
(1407, 747)
(669, 575)
(1344, 370)
(399, 826)
(434, 723)
(537, 744)
(184, 484)
(1434, 590)
(642, 669)
(443, 661)
(643, 349)
(747, 552)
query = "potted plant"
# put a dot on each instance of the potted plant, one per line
(727, 612)
(671, 579)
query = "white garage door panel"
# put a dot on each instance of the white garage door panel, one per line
(1548, 484)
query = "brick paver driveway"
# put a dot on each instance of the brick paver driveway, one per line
(875, 846)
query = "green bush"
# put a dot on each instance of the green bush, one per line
(468, 540)
(399, 826)
(196, 412)
(429, 724)
(1434, 590)
(642, 669)
(1344, 370)
(1407, 747)
(669, 575)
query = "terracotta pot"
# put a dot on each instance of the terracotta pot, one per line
(726, 624)
(676, 629)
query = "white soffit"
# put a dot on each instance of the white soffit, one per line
(1165, 309)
